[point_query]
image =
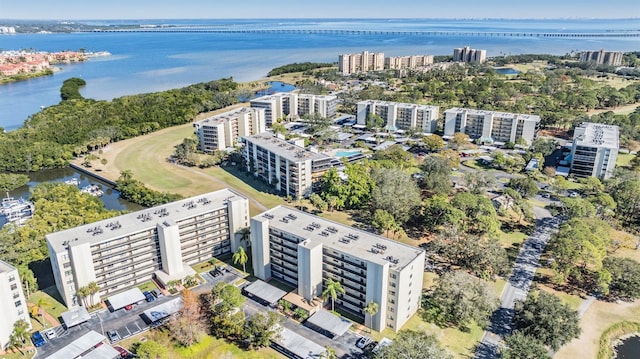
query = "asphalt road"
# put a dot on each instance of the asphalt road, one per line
(519, 284)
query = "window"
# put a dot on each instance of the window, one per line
(393, 276)
(12, 278)
(67, 265)
(14, 286)
(18, 303)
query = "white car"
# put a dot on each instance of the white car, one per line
(50, 333)
(362, 342)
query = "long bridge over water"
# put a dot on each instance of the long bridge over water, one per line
(213, 29)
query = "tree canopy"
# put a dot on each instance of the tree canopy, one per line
(520, 346)
(395, 192)
(410, 344)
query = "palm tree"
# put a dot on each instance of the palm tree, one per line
(19, 335)
(93, 288)
(83, 292)
(331, 291)
(329, 353)
(245, 235)
(240, 256)
(372, 309)
(38, 309)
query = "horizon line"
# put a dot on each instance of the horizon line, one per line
(331, 18)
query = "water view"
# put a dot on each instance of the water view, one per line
(629, 349)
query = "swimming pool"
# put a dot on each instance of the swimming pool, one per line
(347, 153)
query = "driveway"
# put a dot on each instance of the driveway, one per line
(519, 283)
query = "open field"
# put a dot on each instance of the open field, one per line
(623, 110)
(624, 159)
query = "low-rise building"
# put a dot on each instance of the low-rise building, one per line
(222, 131)
(162, 242)
(357, 63)
(305, 251)
(466, 54)
(611, 58)
(294, 105)
(491, 126)
(408, 62)
(13, 306)
(287, 166)
(595, 150)
(400, 116)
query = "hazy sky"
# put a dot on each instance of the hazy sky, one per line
(185, 9)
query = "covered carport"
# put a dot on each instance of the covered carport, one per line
(162, 311)
(264, 293)
(328, 324)
(296, 346)
(75, 316)
(133, 295)
(86, 347)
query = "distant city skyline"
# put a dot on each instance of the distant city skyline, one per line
(202, 9)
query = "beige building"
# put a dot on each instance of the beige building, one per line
(13, 305)
(164, 241)
(287, 166)
(491, 126)
(466, 54)
(222, 131)
(364, 62)
(408, 62)
(304, 251)
(400, 116)
(294, 105)
(595, 150)
(611, 58)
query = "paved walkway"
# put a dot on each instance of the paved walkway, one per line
(519, 284)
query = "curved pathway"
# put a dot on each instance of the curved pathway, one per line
(519, 283)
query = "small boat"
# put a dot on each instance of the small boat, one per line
(93, 190)
(73, 182)
(17, 210)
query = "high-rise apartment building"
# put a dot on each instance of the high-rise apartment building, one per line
(364, 62)
(304, 251)
(466, 54)
(163, 241)
(408, 62)
(222, 131)
(13, 305)
(287, 166)
(595, 150)
(611, 58)
(289, 104)
(400, 116)
(491, 126)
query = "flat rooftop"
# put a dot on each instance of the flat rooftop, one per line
(330, 322)
(265, 291)
(226, 116)
(284, 148)
(399, 104)
(6, 267)
(596, 135)
(79, 346)
(520, 116)
(300, 346)
(364, 245)
(145, 219)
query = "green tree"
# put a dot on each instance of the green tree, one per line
(625, 278)
(329, 353)
(576, 207)
(371, 309)
(331, 290)
(626, 192)
(245, 235)
(150, 349)
(356, 190)
(39, 309)
(93, 289)
(591, 186)
(11, 181)
(318, 202)
(480, 214)
(433, 142)
(395, 192)
(459, 141)
(383, 221)
(436, 176)
(526, 186)
(374, 122)
(19, 335)
(226, 297)
(459, 299)
(394, 156)
(262, 329)
(544, 317)
(478, 182)
(520, 346)
(544, 146)
(410, 344)
(240, 256)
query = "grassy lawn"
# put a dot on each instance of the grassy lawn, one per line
(52, 305)
(18, 355)
(624, 159)
(206, 265)
(147, 286)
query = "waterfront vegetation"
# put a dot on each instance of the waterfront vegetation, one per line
(298, 67)
(612, 334)
(25, 76)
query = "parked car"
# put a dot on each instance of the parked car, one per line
(123, 352)
(157, 293)
(362, 342)
(37, 339)
(149, 296)
(113, 336)
(128, 307)
(51, 333)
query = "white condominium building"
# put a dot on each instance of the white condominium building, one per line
(289, 167)
(222, 131)
(13, 305)
(125, 251)
(491, 126)
(466, 54)
(408, 62)
(289, 104)
(400, 116)
(304, 251)
(611, 58)
(364, 62)
(595, 150)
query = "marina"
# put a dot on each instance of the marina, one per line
(17, 210)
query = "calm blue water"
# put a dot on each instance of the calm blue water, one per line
(147, 62)
(346, 153)
(507, 71)
(629, 349)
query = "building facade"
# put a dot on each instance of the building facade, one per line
(491, 126)
(286, 166)
(162, 242)
(595, 150)
(466, 54)
(294, 105)
(13, 305)
(304, 251)
(611, 58)
(408, 62)
(222, 131)
(400, 116)
(357, 63)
